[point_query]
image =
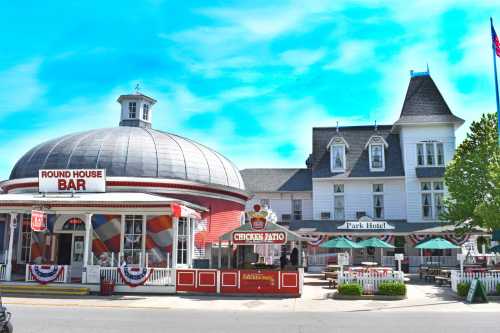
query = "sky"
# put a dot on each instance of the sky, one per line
(247, 78)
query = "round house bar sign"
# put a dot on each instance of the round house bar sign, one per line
(72, 180)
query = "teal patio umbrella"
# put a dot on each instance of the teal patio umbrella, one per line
(435, 244)
(340, 243)
(376, 243)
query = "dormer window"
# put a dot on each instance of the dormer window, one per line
(337, 146)
(376, 150)
(145, 112)
(132, 110)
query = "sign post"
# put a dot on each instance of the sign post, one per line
(399, 257)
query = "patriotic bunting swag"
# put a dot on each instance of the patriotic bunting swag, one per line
(134, 276)
(316, 240)
(44, 274)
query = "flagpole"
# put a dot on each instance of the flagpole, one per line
(496, 80)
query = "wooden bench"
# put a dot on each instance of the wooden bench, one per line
(332, 283)
(442, 280)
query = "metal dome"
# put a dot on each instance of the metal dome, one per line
(131, 152)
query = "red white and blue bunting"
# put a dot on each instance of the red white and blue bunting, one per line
(44, 274)
(387, 238)
(316, 240)
(455, 239)
(134, 276)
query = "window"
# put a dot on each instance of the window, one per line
(286, 217)
(297, 209)
(264, 203)
(26, 239)
(132, 239)
(182, 237)
(376, 157)
(145, 112)
(132, 110)
(430, 154)
(325, 215)
(337, 157)
(432, 199)
(338, 202)
(378, 201)
(74, 224)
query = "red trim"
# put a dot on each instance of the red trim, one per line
(144, 184)
(87, 205)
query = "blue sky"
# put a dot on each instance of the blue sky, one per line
(249, 79)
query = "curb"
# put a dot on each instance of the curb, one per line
(369, 297)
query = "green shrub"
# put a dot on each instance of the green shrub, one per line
(352, 289)
(498, 288)
(392, 288)
(463, 289)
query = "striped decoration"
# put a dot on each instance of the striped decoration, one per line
(455, 239)
(316, 240)
(387, 238)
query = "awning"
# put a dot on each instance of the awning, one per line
(99, 202)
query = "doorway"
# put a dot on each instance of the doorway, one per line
(64, 249)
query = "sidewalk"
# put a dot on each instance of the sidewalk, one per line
(316, 298)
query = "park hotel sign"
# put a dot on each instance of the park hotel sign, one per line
(366, 225)
(72, 180)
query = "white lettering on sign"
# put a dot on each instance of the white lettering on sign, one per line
(366, 225)
(263, 237)
(72, 180)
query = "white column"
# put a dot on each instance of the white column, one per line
(175, 222)
(188, 244)
(88, 246)
(13, 225)
(191, 250)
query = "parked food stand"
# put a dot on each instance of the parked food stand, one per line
(244, 275)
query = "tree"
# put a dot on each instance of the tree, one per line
(473, 178)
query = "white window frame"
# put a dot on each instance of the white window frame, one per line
(297, 212)
(264, 202)
(182, 242)
(20, 258)
(375, 194)
(132, 110)
(141, 250)
(335, 208)
(382, 168)
(435, 145)
(332, 163)
(434, 193)
(145, 112)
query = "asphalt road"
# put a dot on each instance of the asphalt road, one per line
(79, 319)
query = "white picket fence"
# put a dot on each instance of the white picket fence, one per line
(65, 277)
(488, 279)
(370, 280)
(416, 261)
(159, 276)
(321, 259)
(3, 272)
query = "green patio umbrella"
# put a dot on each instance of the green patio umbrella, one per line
(375, 242)
(437, 244)
(340, 243)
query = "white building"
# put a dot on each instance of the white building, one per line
(390, 174)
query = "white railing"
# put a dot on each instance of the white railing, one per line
(416, 261)
(321, 259)
(3, 272)
(65, 277)
(159, 276)
(370, 280)
(488, 279)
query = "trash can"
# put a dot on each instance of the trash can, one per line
(107, 287)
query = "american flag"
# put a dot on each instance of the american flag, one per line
(495, 41)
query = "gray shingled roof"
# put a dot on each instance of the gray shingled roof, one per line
(357, 161)
(274, 180)
(131, 152)
(424, 103)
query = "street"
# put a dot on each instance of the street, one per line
(29, 319)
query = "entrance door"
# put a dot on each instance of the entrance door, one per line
(77, 256)
(64, 249)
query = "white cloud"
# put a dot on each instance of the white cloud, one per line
(20, 87)
(354, 56)
(301, 59)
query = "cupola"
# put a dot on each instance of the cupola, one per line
(136, 110)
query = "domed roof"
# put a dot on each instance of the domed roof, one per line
(128, 151)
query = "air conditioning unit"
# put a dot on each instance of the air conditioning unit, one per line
(325, 215)
(286, 217)
(360, 215)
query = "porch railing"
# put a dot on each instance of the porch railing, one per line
(416, 261)
(321, 259)
(159, 276)
(64, 277)
(488, 279)
(370, 280)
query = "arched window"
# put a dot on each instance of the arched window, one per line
(73, 224)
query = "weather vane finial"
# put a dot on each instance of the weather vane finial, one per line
(137, 88)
